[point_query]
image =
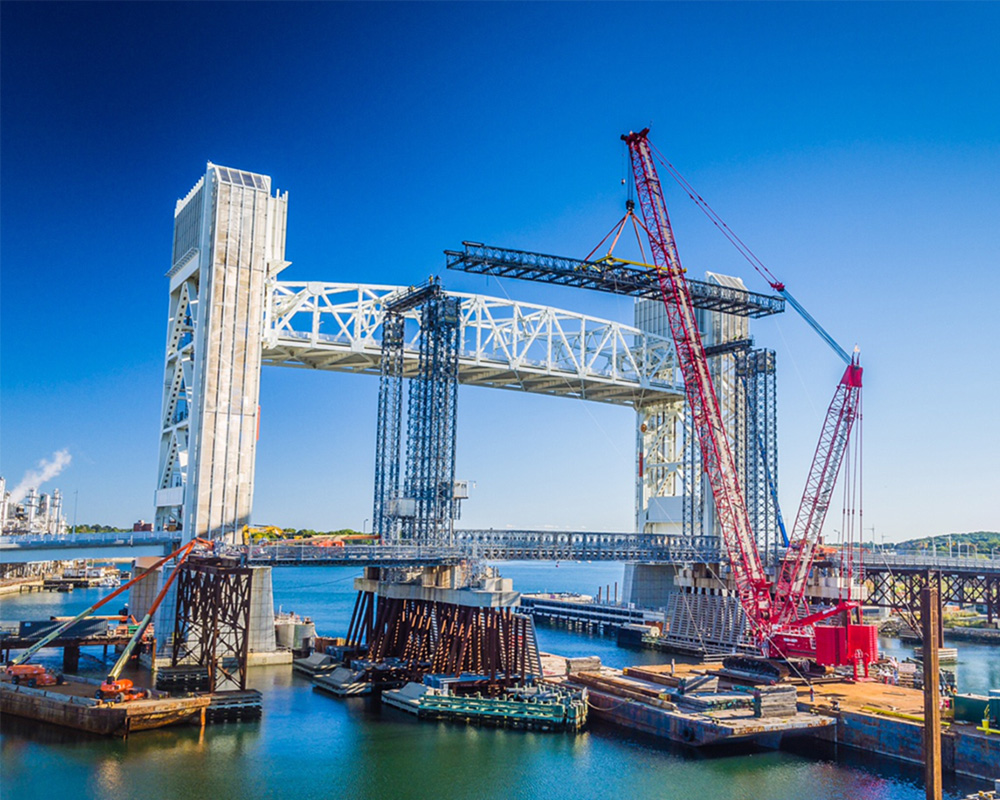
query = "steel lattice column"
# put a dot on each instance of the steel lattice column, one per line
(387, 441)
(431, 424)
(759, 436)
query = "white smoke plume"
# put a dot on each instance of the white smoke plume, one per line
(45, 471)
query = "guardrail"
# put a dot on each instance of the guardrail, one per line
(39, 540)
(876, 560)
(363, 555)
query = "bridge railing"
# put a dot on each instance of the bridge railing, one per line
(43, 540)
(364, 554)
(876, 560)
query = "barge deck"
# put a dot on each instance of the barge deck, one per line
(73, 705)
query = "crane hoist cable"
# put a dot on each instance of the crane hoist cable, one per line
(751, 257)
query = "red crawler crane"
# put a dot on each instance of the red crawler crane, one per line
(717, 458)
(775, 618)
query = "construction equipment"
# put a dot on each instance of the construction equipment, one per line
(256, 534)
(780, 613)
(781, 626)
(33, 675)
(121, 689)
(58, 631)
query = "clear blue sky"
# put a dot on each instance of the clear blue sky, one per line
(855, 147)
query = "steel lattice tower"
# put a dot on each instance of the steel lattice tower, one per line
(758, 373)
(388, 433)
(432, 413)
(422, 513)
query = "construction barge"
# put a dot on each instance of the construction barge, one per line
(72, 704)
(704, 705)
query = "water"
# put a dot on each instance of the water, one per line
(310, 745)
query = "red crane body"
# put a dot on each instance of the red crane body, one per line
(717, 458)
(775, 618)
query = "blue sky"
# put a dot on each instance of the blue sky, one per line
(853, 146)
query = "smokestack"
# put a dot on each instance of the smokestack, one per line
(45, 471)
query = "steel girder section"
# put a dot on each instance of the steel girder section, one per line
(502, 343)
(899, 587)
(617, 278)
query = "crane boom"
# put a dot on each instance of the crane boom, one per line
(717, 458)
(829, 455)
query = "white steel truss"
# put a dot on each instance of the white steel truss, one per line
(504, 344)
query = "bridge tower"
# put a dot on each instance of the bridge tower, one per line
(229, 242)
(672, 495)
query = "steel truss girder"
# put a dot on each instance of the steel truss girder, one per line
(502, 343)
(617, 278)
(899, 588)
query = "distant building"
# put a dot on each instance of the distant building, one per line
(36, 513)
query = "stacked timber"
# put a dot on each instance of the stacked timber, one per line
(698, 682)
(775, 701)
(583, 664)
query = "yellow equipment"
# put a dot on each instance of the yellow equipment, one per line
(254, 535)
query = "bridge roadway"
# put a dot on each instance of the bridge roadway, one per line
(493, 545)
(892, 580)
(489, 544)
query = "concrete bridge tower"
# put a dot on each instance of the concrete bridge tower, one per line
(229, 241)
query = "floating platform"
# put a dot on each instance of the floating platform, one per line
(315, 664)
(72, 705)
(551, 710)
(673, 703)
(234, 706)
(342, 682)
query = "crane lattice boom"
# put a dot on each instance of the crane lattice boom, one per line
(717, 457)
(829, 455)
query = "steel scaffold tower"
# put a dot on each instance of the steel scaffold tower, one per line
(424, 510)
(757, 370)
(387, 437)
(432, 413)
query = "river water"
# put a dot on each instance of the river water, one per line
(310, 745)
